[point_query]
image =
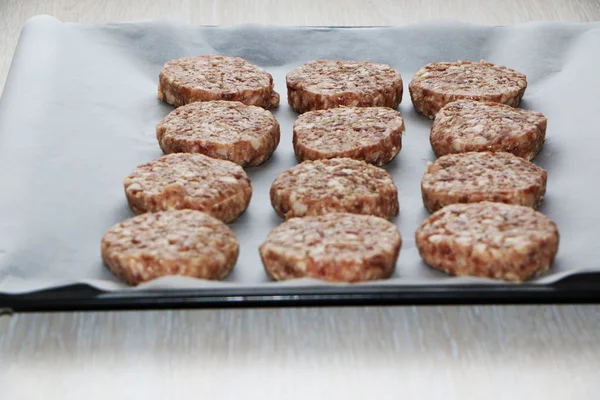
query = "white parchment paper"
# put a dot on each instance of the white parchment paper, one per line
(79, 113)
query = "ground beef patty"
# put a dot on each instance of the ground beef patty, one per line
(203, 78)
(483, 176)
(372, 134)
(466, 125)
(336, 185)
(493, 240)
(334, 247)
(229, 130)
(440, 83)
(323, 84)
(182, 242)
(189, 181)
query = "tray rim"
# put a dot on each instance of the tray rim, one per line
(575, 289)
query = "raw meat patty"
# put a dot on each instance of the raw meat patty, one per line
(493, 240)
(229, 130)
(334, 247)
(210, 77)
(372, 134)
(336, 185)
(440, 83)
(467, 125)
(483, 176)
(181, 242)
(189, 181)
(323, 84)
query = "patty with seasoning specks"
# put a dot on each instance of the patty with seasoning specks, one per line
(324, 84)
(372, 134)
(467, 125)
(189, 181)
(483, 176)
(335, 185)
(228, 130)
(337, 247)
(213, 77)
(493, 240)
(182, 242)
(440, 83)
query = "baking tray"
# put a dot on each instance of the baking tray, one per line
(79, 111)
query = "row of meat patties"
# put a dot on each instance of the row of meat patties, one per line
(337, 201)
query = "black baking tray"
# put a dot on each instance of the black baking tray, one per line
(578, 288)
(581, 288)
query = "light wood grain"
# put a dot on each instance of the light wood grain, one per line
(430, 352)
(550, 352)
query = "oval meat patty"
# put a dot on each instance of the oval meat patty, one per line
(182, 242)
(334, 247)
(211, 77)
(323, 84)
(189, 181)
(336, 185)
(440, 83)
(483, 176)
(229, 130)
(493, 240)
(372, 134)
(466, 125)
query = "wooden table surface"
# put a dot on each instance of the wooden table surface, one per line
(550, 352)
